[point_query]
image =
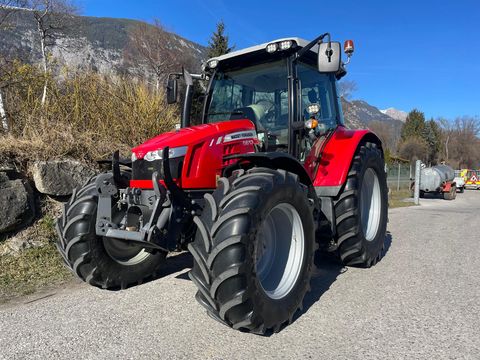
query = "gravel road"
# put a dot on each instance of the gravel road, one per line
(421, 301)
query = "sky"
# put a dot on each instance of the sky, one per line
(421, 54)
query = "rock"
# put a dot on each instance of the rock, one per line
(16, 204)
(59, 177)
(21, 241)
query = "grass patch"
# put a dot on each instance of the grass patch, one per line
(396, 199)
(33, 268)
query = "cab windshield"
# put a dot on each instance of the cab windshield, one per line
(258, 93)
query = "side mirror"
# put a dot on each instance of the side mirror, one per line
(329, 57)
(172, 88)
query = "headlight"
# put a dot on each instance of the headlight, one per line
(313, 109)
(153, 155)
(134, 157)
(172, 153)
(177, 152)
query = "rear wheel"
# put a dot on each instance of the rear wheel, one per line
(450, 195)
(100, 261)
(254, 250)
(361, 209)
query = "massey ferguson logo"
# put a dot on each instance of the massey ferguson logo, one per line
(241, 135)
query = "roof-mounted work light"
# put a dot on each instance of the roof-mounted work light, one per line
(212, 64)
(271, 48)
(285, 45)
(280, 46)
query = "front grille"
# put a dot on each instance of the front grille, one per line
(143, 169)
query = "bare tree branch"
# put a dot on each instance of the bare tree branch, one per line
(51, 17)
(151, 44)
(347, 88)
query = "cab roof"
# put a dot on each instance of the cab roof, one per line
(298, 41)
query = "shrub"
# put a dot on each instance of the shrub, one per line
(87, 116)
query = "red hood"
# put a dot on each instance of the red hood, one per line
(191, 135)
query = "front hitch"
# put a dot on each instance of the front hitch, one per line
(172, 205)
(149, 236)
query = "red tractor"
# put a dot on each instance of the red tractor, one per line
(270, 175)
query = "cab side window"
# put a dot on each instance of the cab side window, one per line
(316, 88)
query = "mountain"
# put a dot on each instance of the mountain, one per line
(359, 114)
(100, 44)
(395, 114)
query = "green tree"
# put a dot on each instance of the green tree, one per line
(218, 43)
(414, 125)
(433, 138)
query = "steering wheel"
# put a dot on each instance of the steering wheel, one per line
(269, 109)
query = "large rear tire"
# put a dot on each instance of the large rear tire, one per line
(100, 261)
(362, 209)
(254, 250)
(450, 195)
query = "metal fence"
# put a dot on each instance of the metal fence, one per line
(399, 175)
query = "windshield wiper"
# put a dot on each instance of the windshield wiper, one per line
(236, 112)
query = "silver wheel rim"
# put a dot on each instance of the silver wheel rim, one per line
(121, 251)
(279, 251)
(124, 253)
(370, 204)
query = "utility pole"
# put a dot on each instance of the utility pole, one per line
(416, 193)
(398, 178)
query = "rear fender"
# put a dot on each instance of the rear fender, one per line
(448, 186)
(330, 169)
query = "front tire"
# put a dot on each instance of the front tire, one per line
(362, 208)
(100, 261)
(254, 250)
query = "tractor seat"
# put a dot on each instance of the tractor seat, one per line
(253, 112)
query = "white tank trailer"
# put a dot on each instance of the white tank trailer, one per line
(438, 179)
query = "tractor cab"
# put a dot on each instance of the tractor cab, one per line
(286, 88)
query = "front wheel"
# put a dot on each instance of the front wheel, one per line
(254, 250)
(361, 209)
(100, 261)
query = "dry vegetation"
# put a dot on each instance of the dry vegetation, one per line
(87, 116)
(24, 272)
